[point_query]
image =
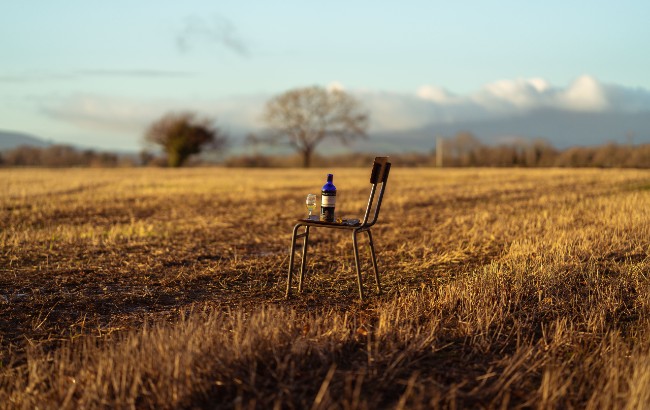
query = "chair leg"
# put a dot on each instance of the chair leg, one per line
(374, 260)
(291, 256)
(356, 262)
(304, 258)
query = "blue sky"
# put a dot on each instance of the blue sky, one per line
(96, 73)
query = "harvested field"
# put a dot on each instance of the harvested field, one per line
(162, 288)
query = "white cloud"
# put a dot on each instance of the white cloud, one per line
(504, 98)
(388, 110)
(393, 111)
(584, 94)
(106, 113)
(517, 94)
(513, 96)
(435, 94)
(335, 86)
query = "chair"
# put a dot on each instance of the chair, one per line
(378, 177)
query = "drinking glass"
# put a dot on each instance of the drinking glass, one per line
(311, 204)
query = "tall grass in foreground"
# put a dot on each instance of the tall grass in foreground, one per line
(504, 289)
(490, 340)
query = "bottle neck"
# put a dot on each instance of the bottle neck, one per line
(330, 178)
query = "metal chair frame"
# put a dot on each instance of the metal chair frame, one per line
(379, 176)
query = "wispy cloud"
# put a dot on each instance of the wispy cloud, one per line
(107, 113)
(99, 113)
(218, 31)
(32, 76)
(134, 73)
(27, 77)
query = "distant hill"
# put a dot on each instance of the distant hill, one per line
(11, 139)
(561, 128)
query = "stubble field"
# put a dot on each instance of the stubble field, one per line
(160, 288)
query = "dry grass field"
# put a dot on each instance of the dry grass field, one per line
(161, 288)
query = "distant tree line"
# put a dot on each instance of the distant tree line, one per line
(465, 150)
(59, 156)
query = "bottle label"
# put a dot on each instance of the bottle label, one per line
(328, 200)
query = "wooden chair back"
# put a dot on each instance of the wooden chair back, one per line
(378, 177)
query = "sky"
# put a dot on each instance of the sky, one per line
(97, 73)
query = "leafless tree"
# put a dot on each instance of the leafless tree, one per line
(24, 155)
(306, 116)
(183, 134)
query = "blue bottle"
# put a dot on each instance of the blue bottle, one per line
(328, 200)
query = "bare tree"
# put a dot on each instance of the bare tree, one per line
(541, 153)
(466, 145)
(306, 116)
(183, 134)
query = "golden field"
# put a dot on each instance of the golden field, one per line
(163, 288)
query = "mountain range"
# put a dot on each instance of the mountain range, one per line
(561, 128)
(12, 139)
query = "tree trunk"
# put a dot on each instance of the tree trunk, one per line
(175, 159)
(306, 157)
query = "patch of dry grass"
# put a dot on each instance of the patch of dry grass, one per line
(164, 289)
